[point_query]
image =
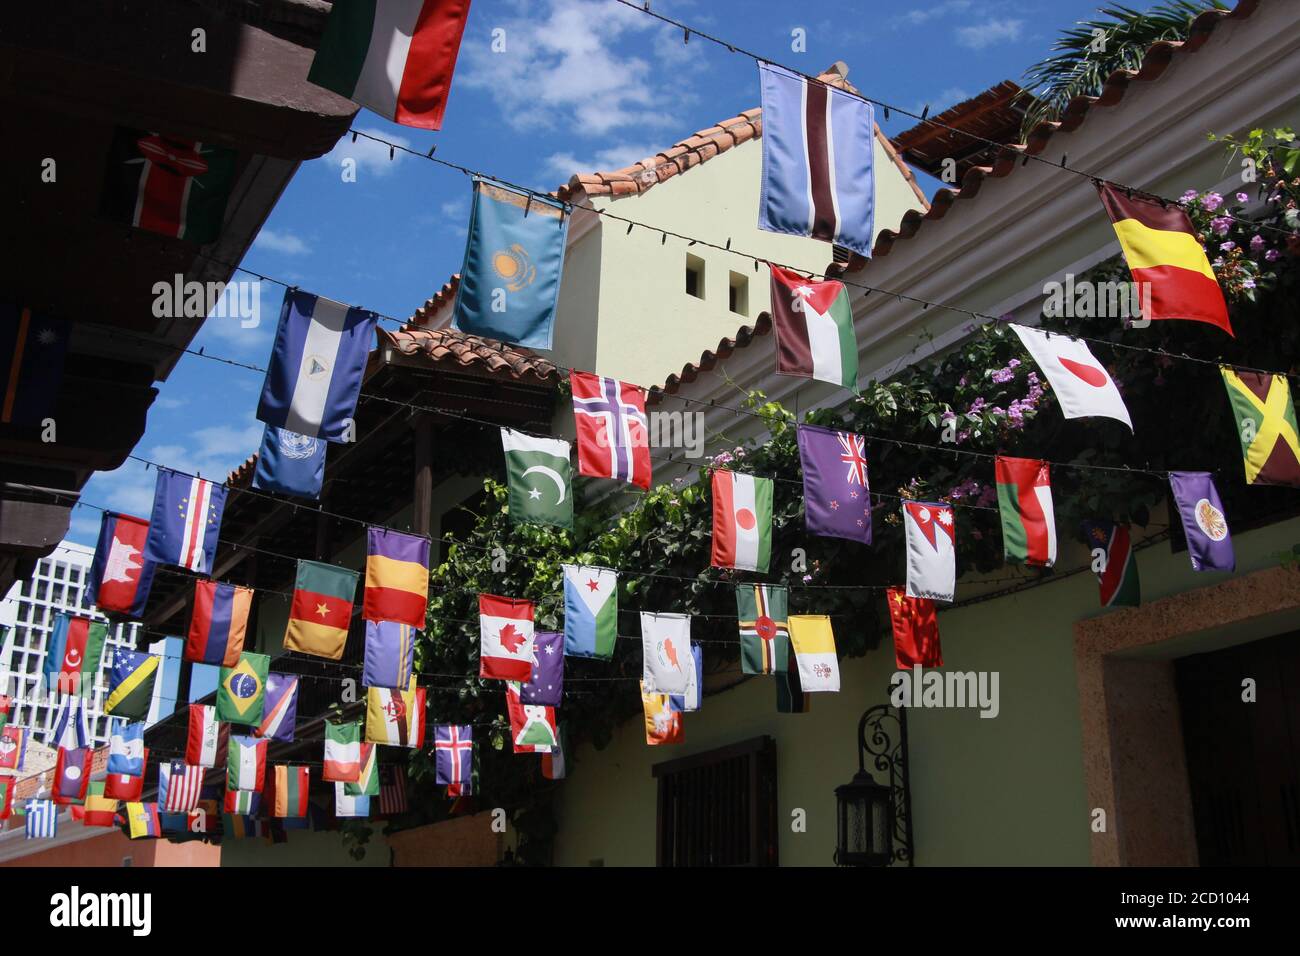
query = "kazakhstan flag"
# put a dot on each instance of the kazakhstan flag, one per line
(513, 261)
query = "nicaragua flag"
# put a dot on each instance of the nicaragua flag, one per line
(289, 463)
(186, 521)
(513, 260)
(818, 169)
(316, 366)
(126, 750)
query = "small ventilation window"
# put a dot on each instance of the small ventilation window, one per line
(840, 254)
(694, 276)
(738, 294)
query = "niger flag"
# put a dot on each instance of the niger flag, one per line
(1162, 249)
(321, 609)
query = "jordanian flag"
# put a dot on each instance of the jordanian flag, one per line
(321, 610)
(742, 521)
(395, 57)
(165, 184)
(1028, 521)
(813, 322)
(1162, 248)
(540, 479)
(1115, 566)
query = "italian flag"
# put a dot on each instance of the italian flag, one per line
(814, 329)
(1025, 502)
(395, 57)
(742, 521)
(342, 752)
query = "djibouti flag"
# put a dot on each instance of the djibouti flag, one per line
(539, 478)
(514, 256)
(590, 611)
(319, 356)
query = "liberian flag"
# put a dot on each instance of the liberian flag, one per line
(506, 638)
(186, 521)
(1081, 383)
(120, 577)
(201, 740)
(179, 784)
(742, 521)
(813, 322)
(931, 550)
(1161, 248)
(317, 361)
(1025, 502)
(818, 151)
(395, 57)
(613, 441)
(1114, 563)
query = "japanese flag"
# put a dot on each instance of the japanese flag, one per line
(931, 557)
(1081, 383)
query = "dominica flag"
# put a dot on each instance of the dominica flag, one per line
(218, 623)
(1162, 249)
(342, 752)
(241, 690)
(764, 628)
(397, 577)
(321, 610)
(1025, 503)
(540, 479)
(130, 683)
(1113, 562)
(590, 611)
(1266, 425)
(395, 57)
(142, 821)
(813, 322)
(72, 655)
(245, 763)
(742, 521)
(289, 788)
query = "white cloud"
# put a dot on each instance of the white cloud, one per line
(285, 242)
(454, 209)
(565, 164)
(943, 100)
(986, 34)
(171, 403)
(925, 14)
(370, 156)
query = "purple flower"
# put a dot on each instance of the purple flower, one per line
(1256, 243)
(1212, 201)
(1272, 255)
(1248, 283)
(1221, 225)
(962, 381)
(1003, 375)
(1242, 197)
(1188, 196)
(1227, 246)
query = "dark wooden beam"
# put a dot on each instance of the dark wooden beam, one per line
(422, 492)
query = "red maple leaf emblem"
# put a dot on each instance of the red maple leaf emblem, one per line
(510, 638)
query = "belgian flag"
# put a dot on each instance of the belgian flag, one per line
(1162, 249)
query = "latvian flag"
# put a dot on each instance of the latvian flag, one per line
(813, 322)
(818, 144)
(613, 440)
(742, 521)
(1028, 520)
(1162, 248)
(395, 57)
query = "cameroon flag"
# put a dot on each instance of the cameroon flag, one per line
(1266, 424)
(241, 690)
(321, 610)
(1162, 249)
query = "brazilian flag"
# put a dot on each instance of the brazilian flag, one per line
(241, 690)
(130, 683)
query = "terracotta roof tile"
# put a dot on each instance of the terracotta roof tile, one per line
(461, 351)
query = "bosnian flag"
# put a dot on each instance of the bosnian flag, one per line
(316, 366)
(120, 577)
(395, 57)
(813, 322)
(818, 169)
(186, 521)
(1081, 383)
(506, 638)
(178, 786)
(931, 550)
(613, 441)
(742, 521)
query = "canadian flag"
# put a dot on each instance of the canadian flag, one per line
(505, 638)
(931, 554)
(1081, 383)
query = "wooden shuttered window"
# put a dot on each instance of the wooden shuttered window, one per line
(718, 808)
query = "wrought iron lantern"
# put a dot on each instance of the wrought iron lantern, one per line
(874, 819)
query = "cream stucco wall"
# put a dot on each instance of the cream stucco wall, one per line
(1003, 791)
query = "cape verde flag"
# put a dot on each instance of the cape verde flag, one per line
(818, 151)
(316, 366)
(186, 521)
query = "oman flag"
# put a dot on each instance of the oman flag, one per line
(813, 322)
(931, 551)
(742, 521)
(1081, 383)
(1025, 501)
(395, 57)
(506, 638)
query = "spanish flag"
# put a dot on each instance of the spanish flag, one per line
(322, 609)
(1162, 249)
(397, 577)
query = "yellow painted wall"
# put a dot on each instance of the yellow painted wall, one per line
(1002, 791)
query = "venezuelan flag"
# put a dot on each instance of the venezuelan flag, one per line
(397, 577)
(1162, 249)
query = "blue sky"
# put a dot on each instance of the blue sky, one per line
(582, 85)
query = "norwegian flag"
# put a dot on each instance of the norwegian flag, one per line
(613, 438)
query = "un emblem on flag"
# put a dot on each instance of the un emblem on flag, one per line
(295, 446)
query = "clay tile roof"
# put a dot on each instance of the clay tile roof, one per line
(699, 148)
(435, 303)
(453, 350)
(996, 114)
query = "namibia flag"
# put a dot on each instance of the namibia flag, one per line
(242, 690)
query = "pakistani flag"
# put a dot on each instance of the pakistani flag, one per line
(537, 472)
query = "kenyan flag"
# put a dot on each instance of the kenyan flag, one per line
(172, 186)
